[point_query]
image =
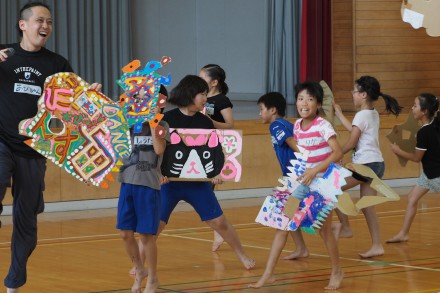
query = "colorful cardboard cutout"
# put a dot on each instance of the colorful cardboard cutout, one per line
(202, 154)
(404, 135)
(95, 130)
(310, 213)
(132, 81)
(422, 13)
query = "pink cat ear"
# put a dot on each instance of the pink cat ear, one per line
(213, 140)
(175, 138)
(198, 141)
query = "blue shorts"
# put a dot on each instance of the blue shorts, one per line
(138, 209)
(377, 167)
(198, 194)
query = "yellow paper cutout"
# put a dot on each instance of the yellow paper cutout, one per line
(384, 193)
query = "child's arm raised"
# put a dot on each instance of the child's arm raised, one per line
(338, 112)
(416, 156)
(336, 156)
(353, 140)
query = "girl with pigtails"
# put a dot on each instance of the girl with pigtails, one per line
(364, 139)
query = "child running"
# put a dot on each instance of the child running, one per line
(139, 201)
(219, 109)
(273, 110)
(317, 136)
(190, 98)
(364, 138)
(425, 109)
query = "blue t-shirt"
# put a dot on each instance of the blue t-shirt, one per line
(281, 129)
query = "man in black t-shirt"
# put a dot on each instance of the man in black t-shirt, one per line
(22, 76)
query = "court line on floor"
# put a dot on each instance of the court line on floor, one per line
(167, 231)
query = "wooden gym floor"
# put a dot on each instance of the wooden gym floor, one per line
(82, 252)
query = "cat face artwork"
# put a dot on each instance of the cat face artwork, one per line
(188, 157)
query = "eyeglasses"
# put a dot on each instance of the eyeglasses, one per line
(353, 92)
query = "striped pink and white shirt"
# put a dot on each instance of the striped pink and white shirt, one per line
(314, 139)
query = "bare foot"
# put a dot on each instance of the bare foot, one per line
(335, 280)
(299, 253)
(262, 281)
(247, 262)
(218, 240)
(152, 285)
(341, 231)
(398, 238)
(11, 290)
(141, 274)
(374, 251)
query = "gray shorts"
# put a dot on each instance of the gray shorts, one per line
(431, 184)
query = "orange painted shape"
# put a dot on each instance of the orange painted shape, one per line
(132, 66)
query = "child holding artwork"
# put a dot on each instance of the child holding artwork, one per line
(317, 136)
(219, 108)
(425, 109)
(190, 98)
(139, 201)
(364, 138)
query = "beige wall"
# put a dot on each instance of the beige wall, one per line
(370, 38)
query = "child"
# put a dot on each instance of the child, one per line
(190, 98)
(163, 91)
(219, 109)
(218, 105)
(364, 138)
(272, 110)
(428, 152)
(139, 201)
(317, 136)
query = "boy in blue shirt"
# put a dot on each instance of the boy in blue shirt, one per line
(273, 110)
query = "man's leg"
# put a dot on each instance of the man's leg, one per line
(27, 192)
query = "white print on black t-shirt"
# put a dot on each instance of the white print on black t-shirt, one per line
(27, 70)
(27, 89)
(209, 109)
(143, 140)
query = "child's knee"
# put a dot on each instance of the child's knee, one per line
(126, 234)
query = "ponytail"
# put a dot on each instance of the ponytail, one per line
(371, 86)
(215, 72)
(391, 104)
